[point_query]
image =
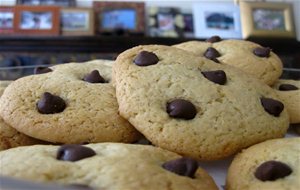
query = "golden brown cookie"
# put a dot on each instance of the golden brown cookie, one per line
(71, 103)
(273, 164)
(192, 106)
(109, 166)
(258, 61)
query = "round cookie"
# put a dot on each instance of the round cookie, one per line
(174, 100)
(250, 57)
(10, 137)
(73, 103)
(109, 166)
(289, 92)
(273, 164)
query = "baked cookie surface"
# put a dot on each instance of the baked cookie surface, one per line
(250, 57)
(289, 92)
(10, 137)
(273, 164)
(193, 106)
(110, 166)
(71, 103)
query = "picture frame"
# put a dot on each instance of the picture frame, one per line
(221, 19)
(262, 19)
(37, 20)
(7, 19)
(165, 22)
(188, 29)
(62, 3)
(77, 21)
(110, 17)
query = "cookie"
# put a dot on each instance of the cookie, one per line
(192, 106)
(9, 137)
(258, 61)
(273, 164)
(289, 92)
(71, 103)
(105, 166)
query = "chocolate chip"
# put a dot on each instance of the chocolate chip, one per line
(287, 87)
(182, 166)
(146, 58)
(77, 186)
(182, 109)
(213, 39)
(41, 70)
(94, 77)
(272, 170)
(262, 52)
(50, 104)
(212, 54)
(73, 152)
(217, 76)
(273, 107)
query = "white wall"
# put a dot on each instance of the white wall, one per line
(184, 4)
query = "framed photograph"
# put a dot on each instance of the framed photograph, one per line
(116, 16)
(217, 18)
(6, 20)
(262, 19)
(188, 27)
(62, 3)
(37, 20)
(166, 22)
(77, 21)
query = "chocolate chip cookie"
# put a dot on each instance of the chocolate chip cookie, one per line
(273, 164)
(258, 61)
(71, 103)
(110, 166)
(192, 106)
(289, 92)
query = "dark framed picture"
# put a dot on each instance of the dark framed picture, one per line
(120, 16)
(6, 19)
(222, 19)
(166, 22)
(37, 20)
(188, 28)
(77, 21)
(62, 3)
(262, 19)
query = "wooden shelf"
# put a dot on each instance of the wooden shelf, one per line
(115, 44)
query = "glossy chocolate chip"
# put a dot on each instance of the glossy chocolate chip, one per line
(50, 104)
(77, 186)
(287, 87)
(182, 109)
(273, 107)
(146, 58)
(94, 77)
(182, 166)
(217, 76)
(41, 70)
(214, 39)
(272, 170)
(73, 152)
(212, 54)
(262, 52)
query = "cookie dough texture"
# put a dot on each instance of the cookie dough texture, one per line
(10, 137)
(229, 117)
(91, 114)
(115, 166)
(242, 169)
(291, 99)
(239, 53)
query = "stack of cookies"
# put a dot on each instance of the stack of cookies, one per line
(195, 101)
